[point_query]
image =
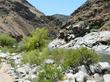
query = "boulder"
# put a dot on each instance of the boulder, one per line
(98, 41)
(102, 49)
(106, 78)
(105, 66)
(94, 38)
(91, 81)
(83, 69)
(81, 76)
(98, 78)
(56, 43)
(70, 77)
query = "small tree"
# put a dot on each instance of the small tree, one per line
(38, 39)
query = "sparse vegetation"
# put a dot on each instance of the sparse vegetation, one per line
(96, 24)
(7, 43)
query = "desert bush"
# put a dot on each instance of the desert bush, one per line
(50, 73)
(31, 57)
(74, 57)
(35, 56)
(81, 56)
(6, 40)
(37, 40)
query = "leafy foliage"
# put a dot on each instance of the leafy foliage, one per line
(81, 56)
(74, 57)
(50, 73)
(37, 39)
(6, 40)
(35, 56)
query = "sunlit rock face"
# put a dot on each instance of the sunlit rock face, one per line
(99, 41)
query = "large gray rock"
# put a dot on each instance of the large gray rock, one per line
(70, 77)
(105, 66)
(106, 78)
(95, 40)
(81, 76)
(98, 78)
(56, 43)
(91, 81)
(102, 49)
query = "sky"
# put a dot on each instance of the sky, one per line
(51, 7)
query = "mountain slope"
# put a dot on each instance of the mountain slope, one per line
(94, 15)
(97, 11)
(62, 18)
(19, 18)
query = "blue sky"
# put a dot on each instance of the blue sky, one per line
(50, 7)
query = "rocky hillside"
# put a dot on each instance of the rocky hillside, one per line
(93, 15)
(19, 18)
(93, 11)
(62, 18)
(87, 27)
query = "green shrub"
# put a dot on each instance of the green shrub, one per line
(8, 49)
(35, 56)
(50, 73)
(6, 40)
(31, 57)
(74, 57)
(96, 24)
(38, 39)
(81, 56)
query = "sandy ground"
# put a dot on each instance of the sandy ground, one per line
(4, 76)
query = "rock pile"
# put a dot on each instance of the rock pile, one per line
(99, 73)
(12, 66)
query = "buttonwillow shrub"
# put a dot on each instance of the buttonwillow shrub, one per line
(50, 73)
(38, 39)
(74, 57)
(35, 56)
(6, 40)
(81, 56)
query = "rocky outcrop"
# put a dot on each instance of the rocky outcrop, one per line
(99, 41)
